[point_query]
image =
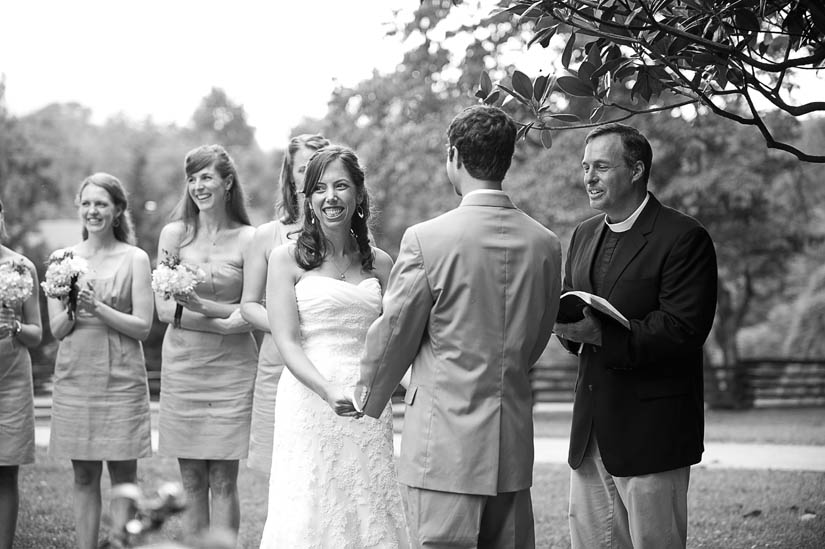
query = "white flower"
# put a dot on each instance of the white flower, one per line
(16, 284)
(62, 273)
(177, 279)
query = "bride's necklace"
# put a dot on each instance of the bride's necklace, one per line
(342, 273)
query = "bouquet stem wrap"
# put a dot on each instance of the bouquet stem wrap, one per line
(178, 313)
(72, 298)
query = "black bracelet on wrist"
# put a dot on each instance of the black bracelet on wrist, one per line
(18, 327)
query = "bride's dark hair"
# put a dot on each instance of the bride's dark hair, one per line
(311, 246)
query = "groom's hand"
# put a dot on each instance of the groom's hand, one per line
(339, 400)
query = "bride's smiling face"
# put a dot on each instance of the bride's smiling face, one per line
(334, 198)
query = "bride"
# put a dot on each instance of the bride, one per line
(333, 481)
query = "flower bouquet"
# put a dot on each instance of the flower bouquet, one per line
(63, 271)
(172, 278)
(143, 513)
(16, 284)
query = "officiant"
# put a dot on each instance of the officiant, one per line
(638, 411)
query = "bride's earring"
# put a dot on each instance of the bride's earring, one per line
(360, 211)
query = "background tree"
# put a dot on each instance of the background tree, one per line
(27, 191)
(220, 120)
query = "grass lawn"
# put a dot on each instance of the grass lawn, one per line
(728, 509)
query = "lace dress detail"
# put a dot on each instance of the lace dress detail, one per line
(333, 482)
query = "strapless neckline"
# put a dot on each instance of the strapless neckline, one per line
(359, 284)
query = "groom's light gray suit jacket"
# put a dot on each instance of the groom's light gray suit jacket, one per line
(470, 304)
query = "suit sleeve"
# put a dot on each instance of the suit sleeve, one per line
(394, 338)
(687, 304)
(551, 307)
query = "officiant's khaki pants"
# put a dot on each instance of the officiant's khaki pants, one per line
(445, 520)
(641, 512)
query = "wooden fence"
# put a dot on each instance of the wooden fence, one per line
(554, 381)
(764, 382)
(760, 382)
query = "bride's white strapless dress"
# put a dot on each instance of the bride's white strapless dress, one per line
(333, 481)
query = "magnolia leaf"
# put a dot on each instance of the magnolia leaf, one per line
(539, 87)
(586, 70)
(594, 54)
(513, 94)
(546, 139)
(625, 70)
(704, 59)
(522, 131)
(722, 75)
(574, 86)
(633, 14)
(492, 98)
(522, 84)
(568, 50)
(485, 83)
(746, 20)
(517, 9)
(607, 66)
(543, 36)
(533, 12)
(735, 76)
(641, 87)
(562, 117)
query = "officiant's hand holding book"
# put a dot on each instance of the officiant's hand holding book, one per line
(572, 304)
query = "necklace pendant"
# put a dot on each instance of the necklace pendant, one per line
(343, 276)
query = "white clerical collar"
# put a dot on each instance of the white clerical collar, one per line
(484, 191)
(624, 226)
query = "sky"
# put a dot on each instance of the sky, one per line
(280, 60)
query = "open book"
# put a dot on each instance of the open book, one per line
(571, 308)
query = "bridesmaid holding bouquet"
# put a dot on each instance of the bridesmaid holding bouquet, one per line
(209, 354)
(20, 330)
(100, 402)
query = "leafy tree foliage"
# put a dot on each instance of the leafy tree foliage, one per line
(735, 58)
(25, 184)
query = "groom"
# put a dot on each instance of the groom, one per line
(470, 304)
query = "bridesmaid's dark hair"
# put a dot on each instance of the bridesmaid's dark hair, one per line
(287, 207)
(122, 225)
(196, 160)
(311, 247)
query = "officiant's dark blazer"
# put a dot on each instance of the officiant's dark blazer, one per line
(641, 390)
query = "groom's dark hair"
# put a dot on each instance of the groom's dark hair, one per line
(485, 138)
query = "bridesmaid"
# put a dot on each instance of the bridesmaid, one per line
(20, 330)
(268, 236)
(208, 363)
(100, 408)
